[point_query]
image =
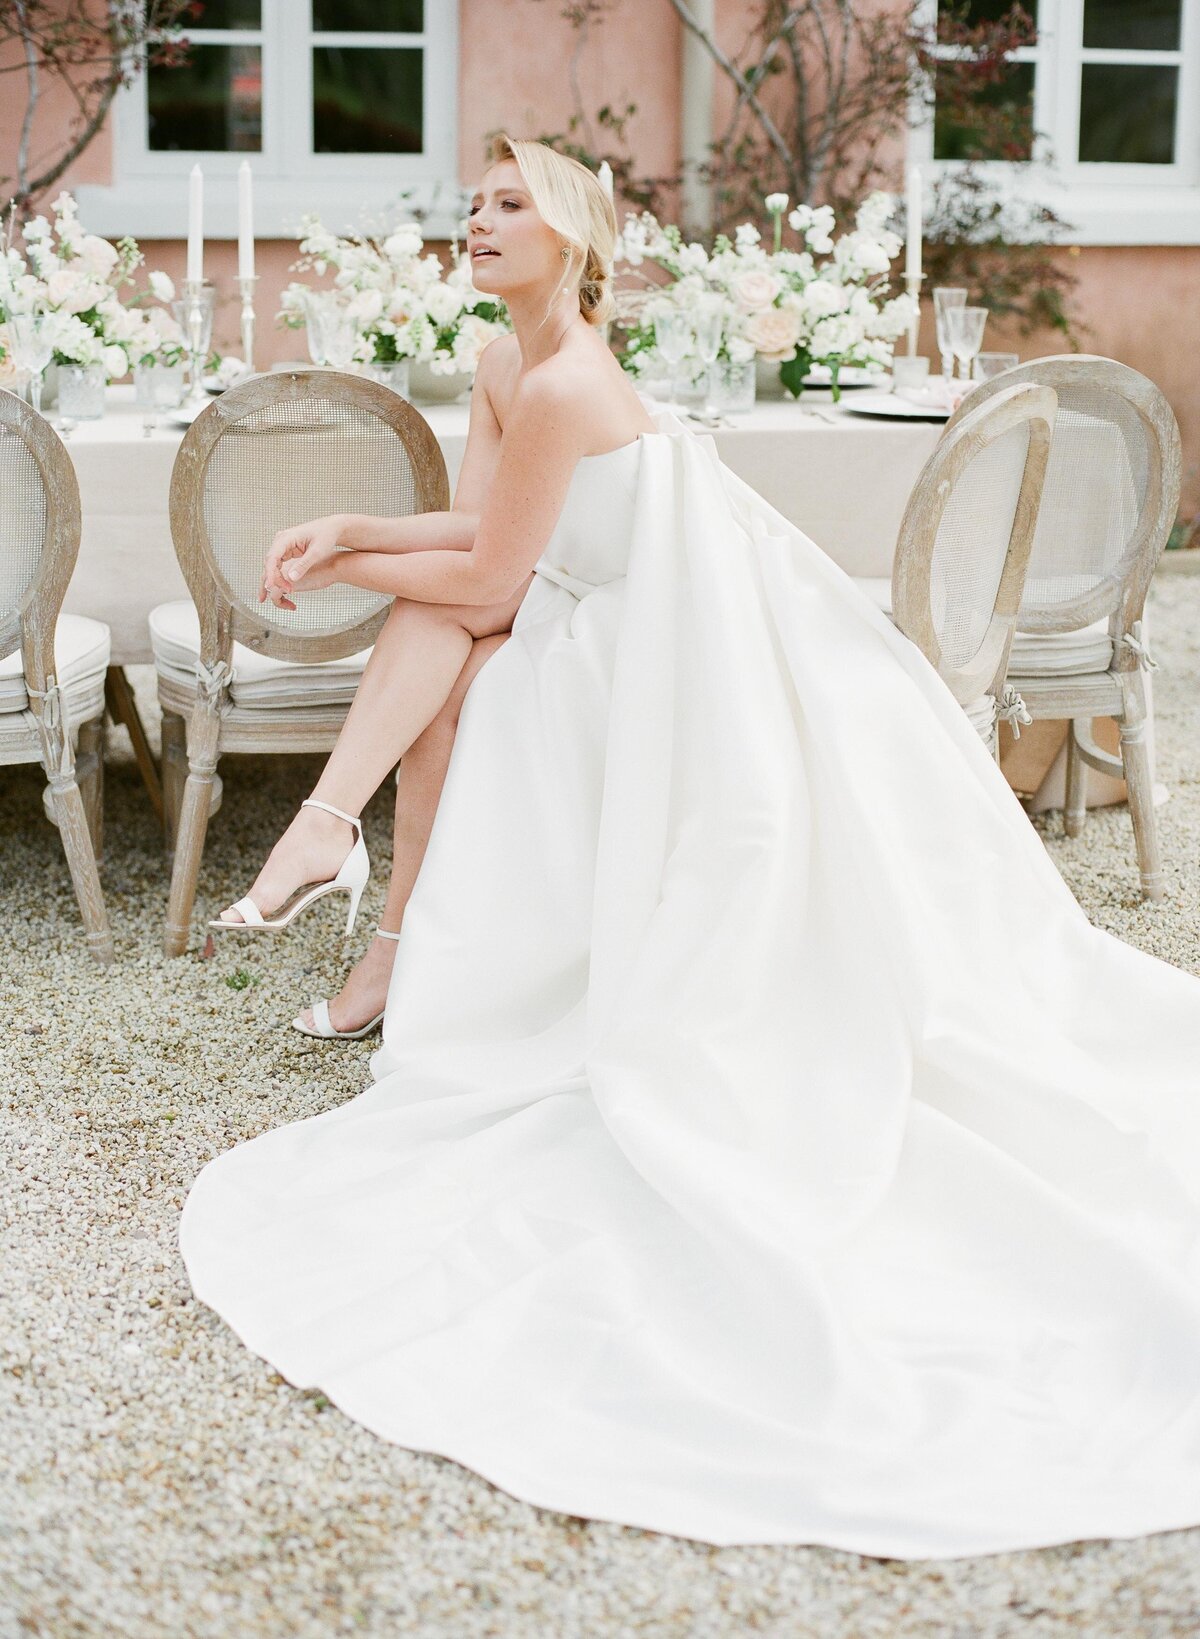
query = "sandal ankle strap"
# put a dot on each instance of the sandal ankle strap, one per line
(382, 933)
(315, 802)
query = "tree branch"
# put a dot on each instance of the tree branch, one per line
(31, 101)
(770, 130)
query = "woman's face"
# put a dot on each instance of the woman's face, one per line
(509, 245)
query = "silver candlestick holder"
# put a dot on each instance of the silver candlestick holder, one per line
(246, 288)
(913, 283)
(194, 314)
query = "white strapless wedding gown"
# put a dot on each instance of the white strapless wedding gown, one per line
(763, 1147)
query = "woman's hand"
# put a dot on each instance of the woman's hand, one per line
(299, 560)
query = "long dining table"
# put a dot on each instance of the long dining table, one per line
(842, 477)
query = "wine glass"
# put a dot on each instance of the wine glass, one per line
(708, 332)
(32, 349)
(965, 335)
(313, 304)
(340, 333)
(673, 339)
(946, 298)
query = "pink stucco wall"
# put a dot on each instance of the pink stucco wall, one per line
(1135, 304)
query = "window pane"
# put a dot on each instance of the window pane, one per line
(1127, 114)
(211, 101)
(367, 101)
(1001, 126)
(986, 11)
(222, 14)
(377, 16)
(1136, 25)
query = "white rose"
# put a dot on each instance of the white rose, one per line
(162, 286)
(69, 290)
(755, 290)
(366, 305)
(97, 255)
(821, 298)
(115, 362)
(443, 304)
(774, 333)
(406, 241)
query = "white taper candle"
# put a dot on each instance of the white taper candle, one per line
(606, 177)
(245, 222)
(912, 257)
(195, 243)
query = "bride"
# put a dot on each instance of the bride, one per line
(763, 1146)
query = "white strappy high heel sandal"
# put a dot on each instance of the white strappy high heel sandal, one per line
(351, 879)
(325, 1030)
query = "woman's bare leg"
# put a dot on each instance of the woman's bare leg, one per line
(418, 791)
(418, 656)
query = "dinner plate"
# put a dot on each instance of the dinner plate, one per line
(903, 409)
(184, 415)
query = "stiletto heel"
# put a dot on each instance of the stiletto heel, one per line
(325, 1030)
(351, 878)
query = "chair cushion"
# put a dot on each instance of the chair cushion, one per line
(258, 680)
(81, 653)
(1034, 654)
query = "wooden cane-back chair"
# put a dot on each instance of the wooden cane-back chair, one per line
(270, 453)
(51, 671)
(1109, 502)
(964, 546)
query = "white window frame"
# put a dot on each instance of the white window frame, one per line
(148, 193)
(1103, 204)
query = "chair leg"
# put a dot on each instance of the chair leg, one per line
(1135, 759)
(174, 772)
(122, 708)
(203, 734)
(1075, 802)
(67, 800)
(89, 773)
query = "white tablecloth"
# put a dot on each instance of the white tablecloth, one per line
(844, 479)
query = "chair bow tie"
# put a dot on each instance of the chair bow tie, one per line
(1133, 638)
(1011, 709)
(212, 681)
(54, 719)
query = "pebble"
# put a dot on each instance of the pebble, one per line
(160, 1480)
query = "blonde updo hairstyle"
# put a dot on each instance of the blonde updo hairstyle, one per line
(571, 200)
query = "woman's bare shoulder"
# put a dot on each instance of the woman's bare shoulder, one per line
(591, 395)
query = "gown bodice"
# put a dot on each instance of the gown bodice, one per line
(590, 542)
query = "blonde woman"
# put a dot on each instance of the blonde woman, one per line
(759, 1149)
(458, 577)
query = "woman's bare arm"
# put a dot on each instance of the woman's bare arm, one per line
(544, 437)
(444, 531)
(314, 543)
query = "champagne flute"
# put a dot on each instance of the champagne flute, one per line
(32, 349)
(946, 298)
(965, 335)
(673, 338)
(709, 331)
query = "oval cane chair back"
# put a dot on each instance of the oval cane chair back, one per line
(1111, 491)
(966, 536)
(39, 534)
(277, 451)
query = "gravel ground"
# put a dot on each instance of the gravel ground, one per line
(161, 1481)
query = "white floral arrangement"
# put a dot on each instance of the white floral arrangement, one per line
(404, 305)
(824, 303)
(75, 280)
